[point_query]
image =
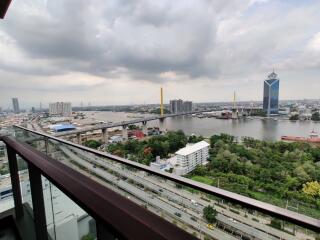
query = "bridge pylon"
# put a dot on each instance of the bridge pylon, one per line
(235, 113)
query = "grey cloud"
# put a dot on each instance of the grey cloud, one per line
(140, 40)
(141, 36)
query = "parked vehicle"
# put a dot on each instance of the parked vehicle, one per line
(177, 214)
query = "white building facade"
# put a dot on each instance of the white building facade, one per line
(60, 108)
(189, 157)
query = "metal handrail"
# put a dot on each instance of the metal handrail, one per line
(281, 213)
(111, 211)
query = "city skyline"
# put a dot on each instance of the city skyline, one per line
(200, 50)
(159, 119)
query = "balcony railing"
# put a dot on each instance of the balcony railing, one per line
(132, 201)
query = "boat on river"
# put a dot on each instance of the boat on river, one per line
(313, 138)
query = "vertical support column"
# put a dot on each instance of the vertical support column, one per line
(26, 134)
(161, 125)
(46, 145)
(124, 132)
(104, 135)
(79, 138)
(234, 113)
(144, 128)
(39, 213)
(39, 145)
(15, 182)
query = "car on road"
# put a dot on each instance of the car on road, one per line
(210, 226)
(193, 218)
(177, 214)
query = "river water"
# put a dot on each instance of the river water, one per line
(264, 129)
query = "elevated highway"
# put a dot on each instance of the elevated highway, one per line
(126, 123)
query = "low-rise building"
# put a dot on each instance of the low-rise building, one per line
(161, 164)
(115, 139)
(189, 157)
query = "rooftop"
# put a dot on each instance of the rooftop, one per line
(192, 148)
(62, 127)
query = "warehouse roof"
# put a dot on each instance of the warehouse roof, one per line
(62, 127)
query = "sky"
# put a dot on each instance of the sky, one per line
(121, 52)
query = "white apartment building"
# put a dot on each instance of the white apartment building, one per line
(60, 108)
(191, 156)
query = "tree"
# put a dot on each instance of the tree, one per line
(315, 116)
(294, 117)
(260, 113)
(312, 188)
(92, 144)
(89, 236)
(133, 127)
(200, 170)
(226, 138)
(195, 139)
(209, 213)
(214, 139)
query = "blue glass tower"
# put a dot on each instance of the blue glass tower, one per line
(271, 94)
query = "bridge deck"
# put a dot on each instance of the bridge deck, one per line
(126, 123)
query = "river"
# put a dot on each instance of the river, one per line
(264, 129)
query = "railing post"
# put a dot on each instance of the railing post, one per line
(39, 213)
(15, 182)
(46, 145)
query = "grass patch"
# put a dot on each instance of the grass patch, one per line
(202, 179)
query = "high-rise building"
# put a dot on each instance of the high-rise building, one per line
(174, 106)
(179, 106)
(60, 108)
(187, 106)
(271, 94)
(15, 104)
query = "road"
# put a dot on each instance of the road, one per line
(173, 201)
(183, 198)
(148, 197)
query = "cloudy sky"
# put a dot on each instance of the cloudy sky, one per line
(122, 52)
